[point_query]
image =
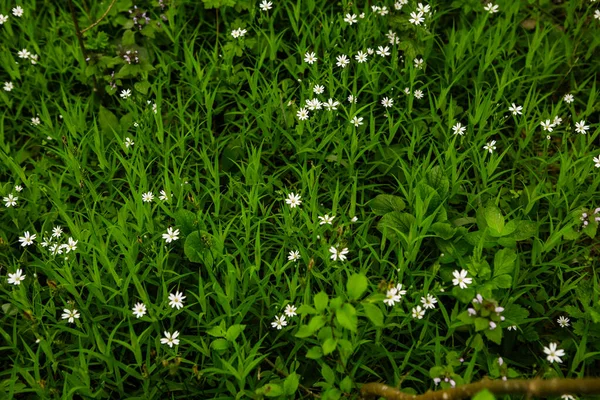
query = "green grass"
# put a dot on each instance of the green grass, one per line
(226, 145)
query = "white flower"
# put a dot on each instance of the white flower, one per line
(3, 19)
(125, 94)
(170, 339)
(361, 57)
(24, 54)
(491, 8)
(147, 197)
(407, 90)
(57, 231)
(33, 58)
(35, 121)
(279, 323)
(357, 121)
(568, 396)
(55, 249)
(310, 58)
(302, 114)
(563, 321)
(392, 297)
(17, 277)
(266, 5)
(293, 200)
(17, 11)
(163, 196)
(318, 89)
(581, 127)
(176, 300)
(70, 246)
(423, 8)
(70, 315)
(392, 37)
(8, 86)
(326, 219)
(398, 5)
(293, 255)
(387, 102)
(383, 51)
(418, 312)
(428, 301)
(10, 200)
(352, 99)
(418, 63)
(354, 219)
(350, 19)
(331, 104)
(492, 325)
(596, 160)
(568, 98)
(597, 14)
(554, 354)
(491, 146)
(512, 328)
(460, 279)
(139, 310)
(26, 240)
(416, 19)
(171, 235)
(515, 109)
(557, 121)
(237, 33)
(335, 253)
(18, 188)
(547, 125)
(314, 104)
(459, 129)
(128, 142)
(418, 94)
(400, 291)
(342, 60)
(290, 310)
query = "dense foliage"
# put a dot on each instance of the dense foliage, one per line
(244, 199)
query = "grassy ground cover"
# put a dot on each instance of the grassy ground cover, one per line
(243, 199)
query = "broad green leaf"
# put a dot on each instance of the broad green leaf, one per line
(346, 316)
(314, 353)
(290, 385)
(394, 222)
(220, 344)
(321, 300)
(503, 281)
(306, 309)
(193, 247)
(234, 331)
(495, 335)
(443, 229)
(477, 342)
(186, 221)
(525, 230)
(437, 180)
(316, 323)
(494, 219)
(142, 87)
(329, 346)
(108, 121)
(504, 261)
(356, 286)
(216, 331)
(128, 38)
(272, 390)
(374, 314)
(328, 374)
(385, 203)
(481, 324)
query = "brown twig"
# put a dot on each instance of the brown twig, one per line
(531, 387)
(280, 372)
(101, 18)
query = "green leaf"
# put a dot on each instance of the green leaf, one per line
(437, 180)
(314, 353)
(321, 300)
(108, 121)
(494, 219)
(316, 323)
(272, 390)
(346, 317)
(385, 203)
(443, 230)
(216, 331)
(234, 331)
(328, 374)
(186, 221)
(525, 230)
(503, 281)
(329, 346)
(218, 3)
(374, 314)
(306, 309)
(193, 248)
(128, 38)
(484, 395)
(142, 87)
(481, 324)
(495, 335)
(394, 222)
(504, 261)
(290, 385)
(220, 344)
(346, 385)
(356, 286)
(477, 342)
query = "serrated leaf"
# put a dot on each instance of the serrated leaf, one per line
(346, 317)
(356, 286)
(385, 203)
(495, 335)
(374, 314)
(503, 281)
(481, 324)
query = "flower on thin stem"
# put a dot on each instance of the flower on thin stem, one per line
(279, 323)
(17, 277)
(326, 219)
(581, 127)
(70, 315)
(563, 321)
(293, 200)
(27, 239)
(170, 339)
(171, 235)
(490, 146)
(553, 353)
(337, 254)
(293, 255)
(515, 109)
(176, 300)
(139, 310)
(461, 280)
(459, 129)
